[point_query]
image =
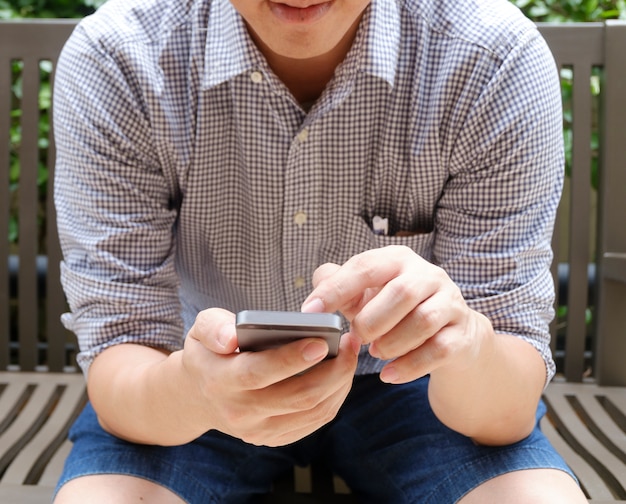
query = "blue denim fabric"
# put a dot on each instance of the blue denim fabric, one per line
(386, 443)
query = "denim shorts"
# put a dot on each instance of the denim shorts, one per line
(386, 443)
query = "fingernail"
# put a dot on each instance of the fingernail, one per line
(314, 351)
(225, 334)
(314, 305)
(389, 375)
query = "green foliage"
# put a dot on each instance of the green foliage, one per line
(47, 8)
(572, 10)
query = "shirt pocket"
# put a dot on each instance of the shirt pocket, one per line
(358, 237)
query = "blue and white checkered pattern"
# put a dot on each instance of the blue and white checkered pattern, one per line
(188, 177)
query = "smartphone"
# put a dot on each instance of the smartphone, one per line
(262, 330)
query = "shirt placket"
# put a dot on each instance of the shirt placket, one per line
(300, 216)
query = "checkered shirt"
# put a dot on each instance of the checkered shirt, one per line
(188, 177)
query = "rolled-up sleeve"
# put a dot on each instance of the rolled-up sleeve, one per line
(496, 216)
(114, 207)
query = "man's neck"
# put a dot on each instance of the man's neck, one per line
(307, 78)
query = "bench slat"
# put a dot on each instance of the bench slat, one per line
(30, 463)
(587, 476)
(46, 405)
(592, 438)
(53, 470)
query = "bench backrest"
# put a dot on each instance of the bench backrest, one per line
(38, 339)
(594, 55)
(30, 329)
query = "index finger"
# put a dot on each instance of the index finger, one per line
(346, 289)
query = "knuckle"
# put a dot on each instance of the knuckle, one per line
(442, 348)
(427, 317)
(364, 267)
(322, 414)
(364, 326)
(306, 401)
(401, 289)
(285, 358)
(457, 296)
(331, 407)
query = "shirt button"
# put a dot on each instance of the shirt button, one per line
(256, 77)
(300, 218)
(303, 135)
(299, 282)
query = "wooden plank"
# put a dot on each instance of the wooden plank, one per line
(9, 399)
(53, 470)
(572, 41)
(32, 458)
(611, 344)
(589, 431)
(28, 313)
(5, 120)
(590, 481)
(579, 213)
(614, 126)
(589, 400)
(31, 433)
(20, 494)
(614, 266)
(57, 335)
(15, 436)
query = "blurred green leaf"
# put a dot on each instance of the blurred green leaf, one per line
(572, 10)
(14, 173)
(12, 229)
(42, 175)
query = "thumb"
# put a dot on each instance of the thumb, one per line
(215, 329)
(226, 339)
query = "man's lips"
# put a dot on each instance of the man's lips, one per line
(292, 14)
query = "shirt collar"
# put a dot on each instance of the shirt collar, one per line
(229, 51)
(381, 39)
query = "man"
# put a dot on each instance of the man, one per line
(223, 155)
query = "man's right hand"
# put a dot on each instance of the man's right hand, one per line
(263, 398)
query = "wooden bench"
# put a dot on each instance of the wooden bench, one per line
(41, 392)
